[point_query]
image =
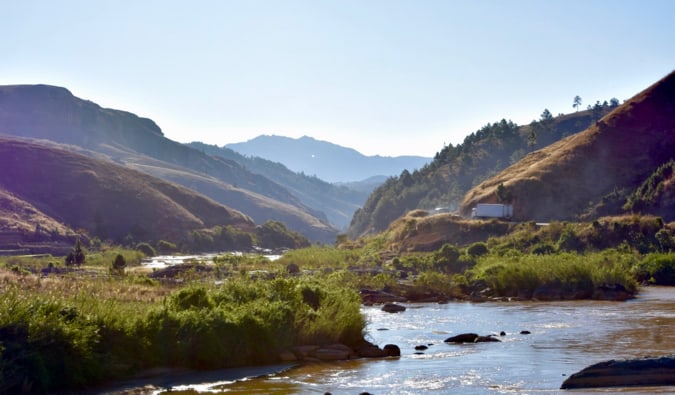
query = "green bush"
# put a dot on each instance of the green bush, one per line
(146, 249)
(165, 247)
(579, 274)
(543, 249)
(118, 265)
(657, 269)
(73, 336)
(446, 259)
(477, 249)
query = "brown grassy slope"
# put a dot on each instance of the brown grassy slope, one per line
(85, 193)
(55, 114)
(418, 231)
(619, 151)
(20, 217)
(262, 208)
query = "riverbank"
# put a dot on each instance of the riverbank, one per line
(65, 332)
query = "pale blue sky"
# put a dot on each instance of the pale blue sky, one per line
(384, 77)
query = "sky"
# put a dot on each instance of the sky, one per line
(385, 77)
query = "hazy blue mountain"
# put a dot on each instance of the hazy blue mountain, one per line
(327, 161)
(338, 202)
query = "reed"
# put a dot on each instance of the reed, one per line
(69, 331)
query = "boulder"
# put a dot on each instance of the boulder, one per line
(625, 373)
(462, 338)
(471, 338)
(330, 354)
(392, 350)
(371, 351)
(303, 352)
(393, 308)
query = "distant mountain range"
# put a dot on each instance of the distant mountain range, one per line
(338, 202)
(327, 161)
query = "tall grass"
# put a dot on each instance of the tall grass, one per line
(68, 332)
(523, 274)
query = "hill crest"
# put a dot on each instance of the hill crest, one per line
(619, 151)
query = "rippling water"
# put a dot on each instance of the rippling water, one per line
(565, 337)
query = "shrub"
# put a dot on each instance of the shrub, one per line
(543, 249)
(477, 249)
(76, 255)
(657, 269)
(446, 259)
(569, 241)
(118, 265)
(146, 249)
(166, 247)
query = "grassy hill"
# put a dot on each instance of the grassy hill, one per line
(580, 174)
(549, 169)
(456, 169)
(58, 191)
(53, 113)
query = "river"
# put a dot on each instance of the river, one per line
(565, 337)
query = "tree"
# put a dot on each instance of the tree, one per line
(614, 102)
(446, 258)
(577, 102)
(532, 137)
(546, 116)
(76, 255)
(146, 249)
(118, 265)
(504, 194)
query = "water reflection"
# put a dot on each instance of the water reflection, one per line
(565, 337)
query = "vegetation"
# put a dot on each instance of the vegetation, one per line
(456, 169)
(65, 327)
(71, 330)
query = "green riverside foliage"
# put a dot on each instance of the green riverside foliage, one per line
(65, 333)
(578, 274)
(649, 193)
(658, 269)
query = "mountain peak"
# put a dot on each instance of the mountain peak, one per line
(328, 161)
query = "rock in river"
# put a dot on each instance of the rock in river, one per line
(626, 373)
(393, 308)
(471, 338)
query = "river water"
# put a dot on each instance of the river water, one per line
(565, 337)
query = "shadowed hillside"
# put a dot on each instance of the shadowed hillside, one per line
(54, 187)
(53, 113)
(570, 177)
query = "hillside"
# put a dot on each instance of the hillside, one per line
(579, 173)
(325, 160)
(338, 202)
(53, 113)
(443, 183)
(53, 190)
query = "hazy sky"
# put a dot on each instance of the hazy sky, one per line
(384, 77)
